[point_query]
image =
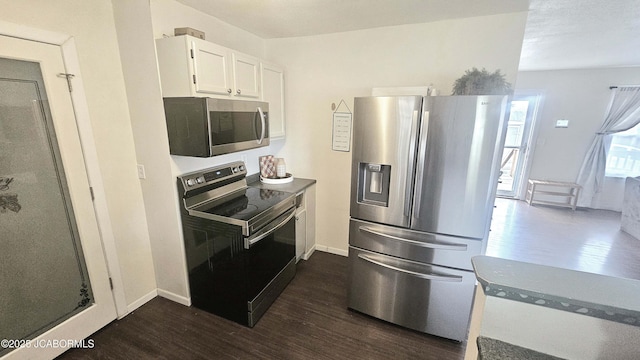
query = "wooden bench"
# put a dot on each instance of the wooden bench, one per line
(566, 192)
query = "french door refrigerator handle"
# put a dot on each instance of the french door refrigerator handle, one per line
(458, 247)
(451, 278)
(263, 125)
(409, 182)
(422, 150)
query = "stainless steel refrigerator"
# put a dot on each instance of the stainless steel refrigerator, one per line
(424, 177)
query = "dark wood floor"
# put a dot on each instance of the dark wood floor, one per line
(310, 319)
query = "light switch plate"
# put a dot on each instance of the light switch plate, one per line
(141, 172)
(562, 123)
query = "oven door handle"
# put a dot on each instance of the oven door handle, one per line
(270, 229)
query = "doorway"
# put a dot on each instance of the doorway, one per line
(55, 282)
(515, 154)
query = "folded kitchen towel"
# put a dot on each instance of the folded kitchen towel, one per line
(267, 166)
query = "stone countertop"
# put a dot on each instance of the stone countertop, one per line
(492, 349)
(600, 296)
(297, 185)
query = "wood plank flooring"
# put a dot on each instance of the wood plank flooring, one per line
(584, 240)
(310, 319)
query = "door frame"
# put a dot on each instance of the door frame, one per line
(531, 141)
(83, 122)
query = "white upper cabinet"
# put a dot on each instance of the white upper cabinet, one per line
(194, 67)
(246, 78)
(272, 83)
(210, 68)
(190, 66)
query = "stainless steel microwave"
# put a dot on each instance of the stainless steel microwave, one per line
(205, 127)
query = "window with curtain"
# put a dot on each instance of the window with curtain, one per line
(613, 150)
(623, 158)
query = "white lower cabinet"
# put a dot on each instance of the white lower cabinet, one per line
(306, 223)
(301, 233)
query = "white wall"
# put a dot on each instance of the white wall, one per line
(91, 24)
(170, 14)
(321, 70)
(137, 52)
(582, 97)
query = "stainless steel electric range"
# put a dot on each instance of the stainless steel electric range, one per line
(239, 241)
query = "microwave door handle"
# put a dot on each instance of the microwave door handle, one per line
(263, 125)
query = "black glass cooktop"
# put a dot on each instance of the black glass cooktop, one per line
(247, 203)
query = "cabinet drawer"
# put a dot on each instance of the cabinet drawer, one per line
(450, 251)
(426, 298)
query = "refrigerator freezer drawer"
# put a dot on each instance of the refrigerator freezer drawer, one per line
(450, 251)
(426, 298)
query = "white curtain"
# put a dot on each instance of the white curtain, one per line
(623, 114)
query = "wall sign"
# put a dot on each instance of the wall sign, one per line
(342, 129)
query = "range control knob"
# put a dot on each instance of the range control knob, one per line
(191, 182)
(235, 170)
(241, 167)
(200, 180)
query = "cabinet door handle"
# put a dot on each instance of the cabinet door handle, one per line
(238, 91)
(229, 90)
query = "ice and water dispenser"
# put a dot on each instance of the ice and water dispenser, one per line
(373, 184)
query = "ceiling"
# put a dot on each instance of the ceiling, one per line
(560, 34)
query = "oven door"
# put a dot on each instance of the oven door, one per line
(270, 263)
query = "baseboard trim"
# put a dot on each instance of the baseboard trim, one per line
(141, 301)
(331, 250)
(186, 301)
(308, 254)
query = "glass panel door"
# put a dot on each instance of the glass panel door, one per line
(44, 277)
(515, 145)
(55, 284)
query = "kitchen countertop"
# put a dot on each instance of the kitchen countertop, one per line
(600, 296)
(492, 349)
(297, 185)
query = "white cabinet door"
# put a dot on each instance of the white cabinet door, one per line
(210, 67)
(190, 66)
(301, 233)
(310, 205)
(272, 81)
(246, 78)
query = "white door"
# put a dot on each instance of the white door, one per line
(516, 145)
(55, 284)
